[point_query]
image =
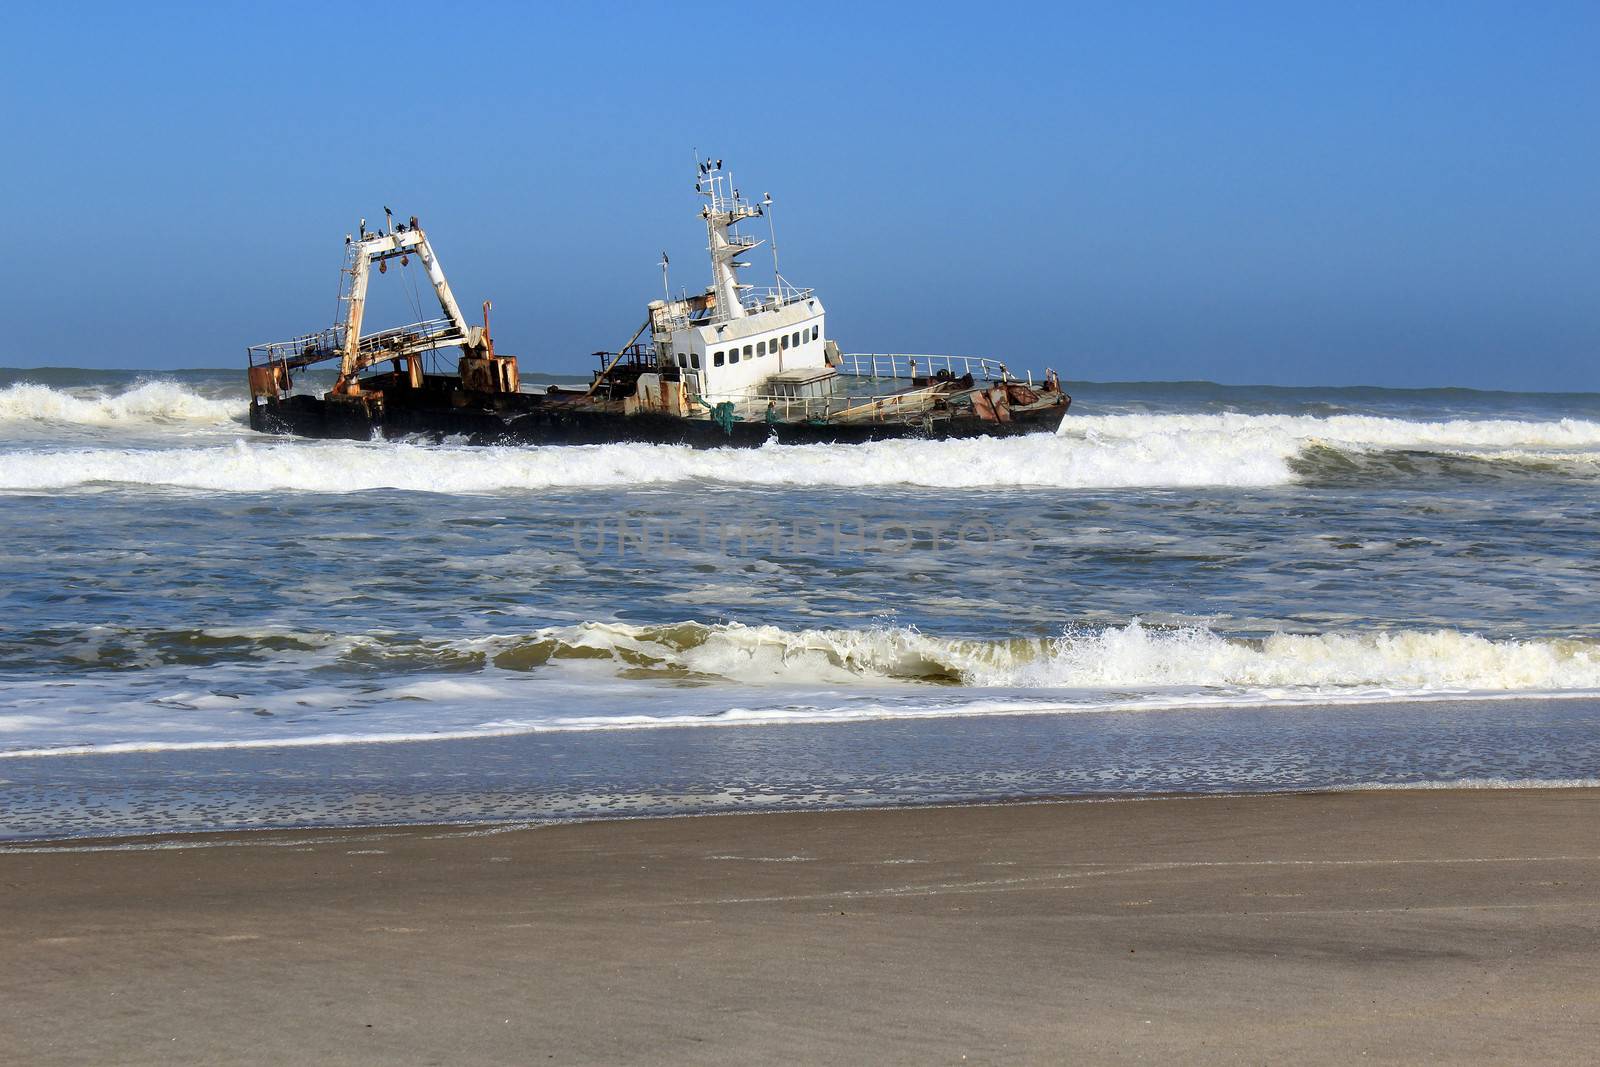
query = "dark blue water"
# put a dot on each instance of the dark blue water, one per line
(175, 583)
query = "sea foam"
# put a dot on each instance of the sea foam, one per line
(1128, 657)
(1090, 452)
(617, 676)
(160, 402)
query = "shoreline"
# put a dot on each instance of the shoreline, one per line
(1043, 708)
(1311, 926)
(885, 763)
(227, 837)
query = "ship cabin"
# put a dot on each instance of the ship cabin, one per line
(728, 343)
(733, 359)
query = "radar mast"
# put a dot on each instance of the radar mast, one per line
(723, 212)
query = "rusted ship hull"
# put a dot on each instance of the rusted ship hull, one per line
(731, 366)
(532, 419)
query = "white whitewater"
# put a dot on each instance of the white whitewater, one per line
(1091, 452)
(159, 402)
(609, 676)
(1130, 656)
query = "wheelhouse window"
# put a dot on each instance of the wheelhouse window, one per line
(815, 331)
(785, 341)
(761, 348)
(694, 360)
(717, 359)
(796, 341)
(748, 351)
(683, 360)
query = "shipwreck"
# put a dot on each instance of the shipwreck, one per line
(731, 365)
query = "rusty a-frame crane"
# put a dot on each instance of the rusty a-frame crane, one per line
(272, 365)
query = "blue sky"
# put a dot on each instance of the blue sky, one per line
(1399, 194)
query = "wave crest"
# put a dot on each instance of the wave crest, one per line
(272, 687)
(1090, 452)
(1131, 656)
(159, 402)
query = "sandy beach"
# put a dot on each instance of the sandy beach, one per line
(1389, 926)
(1068, 539)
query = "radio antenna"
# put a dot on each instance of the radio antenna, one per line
(772, 237)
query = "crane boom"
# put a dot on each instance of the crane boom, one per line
(359, 353)
(272, 365)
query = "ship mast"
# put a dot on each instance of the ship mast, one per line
(723, 212)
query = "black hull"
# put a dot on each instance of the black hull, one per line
(522, 420)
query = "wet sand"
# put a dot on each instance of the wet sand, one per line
(1328, 927)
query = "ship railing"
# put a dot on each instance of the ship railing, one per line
(416, 337)
(329, 344)
(881, 365)
(672, 323)
(751, 298)
(773, 297)
(299, 351)
(899, 406)
(640, 354)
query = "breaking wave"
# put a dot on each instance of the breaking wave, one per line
(1365, 431)
(157, 402)
(1132, 657)
(1090, 452)
(240, 688)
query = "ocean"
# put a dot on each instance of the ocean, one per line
(1192, 587)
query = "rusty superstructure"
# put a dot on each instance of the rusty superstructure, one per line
(731, 365)
(273, 366)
